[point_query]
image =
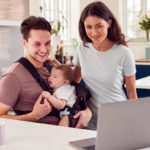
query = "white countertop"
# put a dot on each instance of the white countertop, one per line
(23, 135)
(143, 83)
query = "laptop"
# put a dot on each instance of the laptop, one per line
(121, 126)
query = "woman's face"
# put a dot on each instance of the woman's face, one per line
(96, 29)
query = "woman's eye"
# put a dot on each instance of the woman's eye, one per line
(88, 27)
(99, 26)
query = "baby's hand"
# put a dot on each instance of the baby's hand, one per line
(46, 95)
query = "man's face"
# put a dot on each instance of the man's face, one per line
(37, 47)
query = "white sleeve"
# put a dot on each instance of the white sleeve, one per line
(66, 93)
(129, 64)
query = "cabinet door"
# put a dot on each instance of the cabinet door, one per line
(14, 9)
(142, 71)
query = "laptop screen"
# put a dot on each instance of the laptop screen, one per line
(121, 126)
(124, 125)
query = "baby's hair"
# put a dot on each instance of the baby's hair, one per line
(67, 71)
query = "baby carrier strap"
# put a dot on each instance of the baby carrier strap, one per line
(83, 95)
(35, 73)
(39, 80)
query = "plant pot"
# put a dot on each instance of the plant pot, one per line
(147, 35)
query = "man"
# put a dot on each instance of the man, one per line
(18, 88)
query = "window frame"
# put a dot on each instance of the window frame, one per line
(57, 14)
(125, 18)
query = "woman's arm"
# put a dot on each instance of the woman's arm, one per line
(131, 87)
(77, 74)
(84, 118)
(84, 115)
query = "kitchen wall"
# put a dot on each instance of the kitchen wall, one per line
(11, 14)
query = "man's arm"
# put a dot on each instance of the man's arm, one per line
(39, 111)
(4, 109)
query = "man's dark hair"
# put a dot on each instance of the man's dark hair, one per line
(32, 22)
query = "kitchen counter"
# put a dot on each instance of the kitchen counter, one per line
(142, 61)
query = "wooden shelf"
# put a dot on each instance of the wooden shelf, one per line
(143, 60)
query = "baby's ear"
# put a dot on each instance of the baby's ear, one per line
(66, 81)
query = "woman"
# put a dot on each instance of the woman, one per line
(103, 60)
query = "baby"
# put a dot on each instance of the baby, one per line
(64, 95)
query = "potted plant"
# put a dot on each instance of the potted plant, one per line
(56, 25)
(145, 25)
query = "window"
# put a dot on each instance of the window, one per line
(134, 10)
(57, 10)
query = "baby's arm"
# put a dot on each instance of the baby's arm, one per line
(64, 121)
(57, 103)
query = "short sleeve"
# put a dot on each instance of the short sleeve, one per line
(9, 89)
(67, 93)
(129, 64)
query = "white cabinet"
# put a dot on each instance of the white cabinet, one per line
(14, 9)
(12, 12)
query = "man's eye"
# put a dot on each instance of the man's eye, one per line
(37, 44)
(47, 44)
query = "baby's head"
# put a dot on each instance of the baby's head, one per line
(60, 75)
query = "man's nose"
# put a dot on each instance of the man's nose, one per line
(43, 49)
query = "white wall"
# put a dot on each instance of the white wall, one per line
(75, 14)
(34, 7)
(138, 49)
(76, 7)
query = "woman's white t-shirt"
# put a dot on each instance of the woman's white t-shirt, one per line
(103, 72)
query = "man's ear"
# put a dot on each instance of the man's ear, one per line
(24, 42)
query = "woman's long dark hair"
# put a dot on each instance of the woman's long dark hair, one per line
(100, 10)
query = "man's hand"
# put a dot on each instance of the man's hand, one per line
(41, 109)
(84, 118)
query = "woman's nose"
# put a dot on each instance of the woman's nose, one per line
(94, 32)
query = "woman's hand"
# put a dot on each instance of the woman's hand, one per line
(55, 62)
(84, 118)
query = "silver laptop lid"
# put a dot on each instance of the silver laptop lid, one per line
(124, 125)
